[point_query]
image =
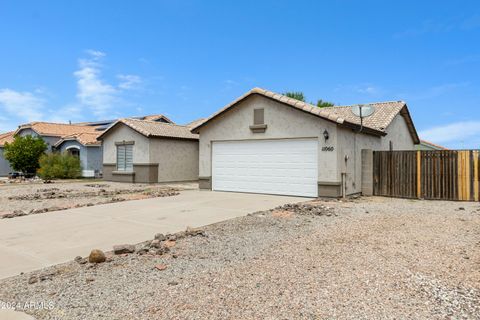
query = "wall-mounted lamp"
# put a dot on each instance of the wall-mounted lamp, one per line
(326, 135)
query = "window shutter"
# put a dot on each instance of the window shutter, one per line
(129, 157)
(121, 158)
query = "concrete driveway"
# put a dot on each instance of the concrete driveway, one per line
(33, 242)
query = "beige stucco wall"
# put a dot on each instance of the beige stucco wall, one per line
(283, 122)
(350, 145)
(177, 159)
(141, 148)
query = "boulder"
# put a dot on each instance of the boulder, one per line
(123, 248)
(97, 256)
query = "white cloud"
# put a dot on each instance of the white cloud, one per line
(92, 91)
(464, 134)
(129, 81)
(24, 105)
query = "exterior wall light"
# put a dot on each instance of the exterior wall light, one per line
(326, 135)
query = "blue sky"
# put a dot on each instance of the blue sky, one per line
(87, 60)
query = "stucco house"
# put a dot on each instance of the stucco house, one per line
(149, 152)
(85, 146)
(5, 168)
(264, 142)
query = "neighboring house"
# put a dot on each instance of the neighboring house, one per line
(149, 152)
(74, 138)
(427, 145)
(265, 142)
(5, 168)
(78, 139)
(85, 146)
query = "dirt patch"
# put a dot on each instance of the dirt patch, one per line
(376, 258)
(22, 199)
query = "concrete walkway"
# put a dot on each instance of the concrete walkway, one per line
(33, 242)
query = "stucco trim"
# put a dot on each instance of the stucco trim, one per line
(123, 143)
(205, 183)
(329, 183)
(123, 173)
(258, 128)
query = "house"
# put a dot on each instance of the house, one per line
(427, 145)
(85, 146)
(264, 142)
(54, 134)
(149, 152)
(5, 168)
(79, 139)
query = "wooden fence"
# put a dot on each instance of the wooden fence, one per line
(439, 174)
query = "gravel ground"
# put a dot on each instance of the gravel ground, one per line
(371, 258)
(18, 199)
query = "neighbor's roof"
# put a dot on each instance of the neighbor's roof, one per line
(377, 123)
(6, 137)
(155, 117)
(195, 123)
(85, 138)
(56, 129)
(433, 145)
(155, 129)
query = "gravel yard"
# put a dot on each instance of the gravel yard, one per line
(18, 199)
(370, 258)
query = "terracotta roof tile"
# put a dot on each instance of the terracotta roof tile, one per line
(56, 129)
(157, 129)
(384, 113)
(6, 137)
(85, 138)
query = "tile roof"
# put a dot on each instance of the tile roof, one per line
(431, 144)
(156, 129)
(384, 113)
(56, 129)
(195, 123)
(85, 138)
(6, 137)
(155, 117)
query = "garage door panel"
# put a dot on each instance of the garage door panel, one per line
(288, 167)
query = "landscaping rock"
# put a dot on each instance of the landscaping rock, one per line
(192, 232)
(161, 267)
(32, 280)
(97, 256)
(160, 237)
(123, 248)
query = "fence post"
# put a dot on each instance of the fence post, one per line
(419, 174)
(367, 172)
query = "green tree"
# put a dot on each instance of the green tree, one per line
(300, 96)
(24, 152)
(295, 95)
(59, 166)
(324, 104)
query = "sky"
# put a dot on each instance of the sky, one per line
(90, 60)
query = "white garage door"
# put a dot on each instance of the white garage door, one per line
(287, 167)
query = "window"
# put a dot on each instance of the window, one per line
(74, 152)
(258, 116)
(125, 157)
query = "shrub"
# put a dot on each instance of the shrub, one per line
(59, 166)
(24, 153)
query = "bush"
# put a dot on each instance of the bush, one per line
(24, 153)
(59, 166)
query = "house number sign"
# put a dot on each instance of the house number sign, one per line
(328, 149)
